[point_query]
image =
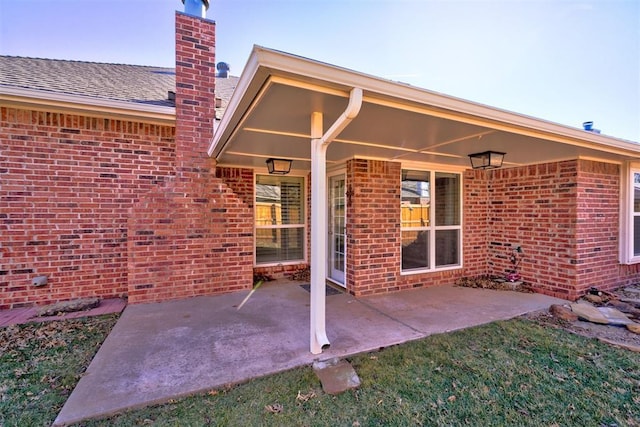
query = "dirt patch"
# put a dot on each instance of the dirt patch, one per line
(615, 335)
(495, 283)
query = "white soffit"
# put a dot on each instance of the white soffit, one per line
(269, 115)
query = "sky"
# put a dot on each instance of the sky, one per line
(564, 61)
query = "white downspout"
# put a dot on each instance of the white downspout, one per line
(319, 145)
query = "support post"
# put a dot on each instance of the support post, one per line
(319, 340)
(319, 144)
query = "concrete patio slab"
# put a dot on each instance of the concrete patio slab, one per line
(448, 308)
(157, 352)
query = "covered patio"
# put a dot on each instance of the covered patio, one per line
(362, 141)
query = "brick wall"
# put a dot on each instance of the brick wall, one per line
(193, 236)
(534, 207)
(565, 216)
(373, 226)
(108, 207)
(67, 183)
(240, 180)
(475, 223)
(597, 231)
(188, 239)
(195, 93)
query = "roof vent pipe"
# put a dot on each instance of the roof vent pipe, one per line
(196, 7)
(223, 69)
(588, 126)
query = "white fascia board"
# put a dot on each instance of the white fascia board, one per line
(225, 127)
(276, 62)
(80, 104)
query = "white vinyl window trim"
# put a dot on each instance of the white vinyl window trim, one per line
(629, 216)
(432, 228)
(296, 226)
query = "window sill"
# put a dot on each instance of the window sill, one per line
(280, 263)
(431, 270)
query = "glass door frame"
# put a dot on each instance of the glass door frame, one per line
(336, 275)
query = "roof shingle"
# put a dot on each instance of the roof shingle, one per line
(120, 82)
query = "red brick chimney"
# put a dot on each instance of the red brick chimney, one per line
(195, 87)
(193, 235)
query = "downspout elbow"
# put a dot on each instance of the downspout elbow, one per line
(350, 113)
(355, 103)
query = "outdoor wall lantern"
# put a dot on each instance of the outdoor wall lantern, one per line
(486, 160)
(279, 166)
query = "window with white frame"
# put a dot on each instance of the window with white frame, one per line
(280, 219)
(431, 223)
(630, 218)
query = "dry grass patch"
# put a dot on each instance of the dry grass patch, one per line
(40, 364)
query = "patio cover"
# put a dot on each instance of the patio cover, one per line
(284, 102)
(270, 112)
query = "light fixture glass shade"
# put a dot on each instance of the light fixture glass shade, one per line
(279, 166)
(486, 160)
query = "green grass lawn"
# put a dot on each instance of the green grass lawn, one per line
(506, 373)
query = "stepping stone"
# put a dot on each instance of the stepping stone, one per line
(68, 306)
(624, 307)
(601, 315)
(336, 376)
(561, 312)
(634, 301)
(615, 316)
(586, 311)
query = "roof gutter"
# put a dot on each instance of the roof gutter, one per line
(86, 105)
(319, 144)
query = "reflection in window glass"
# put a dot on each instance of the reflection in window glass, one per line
(279, 244)
(279, 218)
(338, 261)
(415, 198)
(447, 247)
(279, 200)
(447, 199)
(415, 250)
(430, 236)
